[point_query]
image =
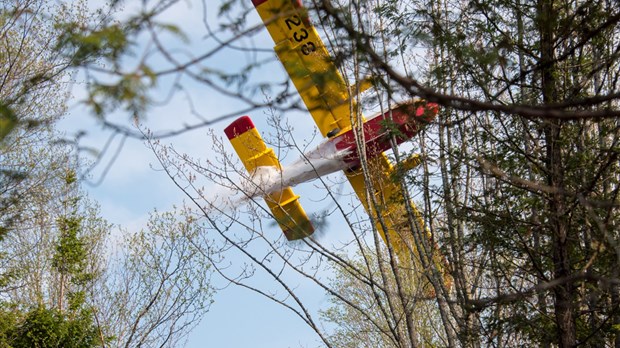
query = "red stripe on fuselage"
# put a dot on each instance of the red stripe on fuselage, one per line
(258, 2)
(238, 127)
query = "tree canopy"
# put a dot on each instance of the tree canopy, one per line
(518, 181)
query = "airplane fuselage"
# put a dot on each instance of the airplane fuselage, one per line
(342, 152)
(399, 124)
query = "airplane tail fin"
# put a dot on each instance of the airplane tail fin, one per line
(259, 160)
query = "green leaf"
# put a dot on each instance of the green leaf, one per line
(8, 120)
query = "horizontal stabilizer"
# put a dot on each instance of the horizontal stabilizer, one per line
(260, 161)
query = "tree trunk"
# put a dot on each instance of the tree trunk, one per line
(558, 223)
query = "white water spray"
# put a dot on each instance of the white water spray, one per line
(323, 160)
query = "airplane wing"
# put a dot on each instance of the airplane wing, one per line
(254, 154)
(306, 60)
(393, 218)
(388, 196)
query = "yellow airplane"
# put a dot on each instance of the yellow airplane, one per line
(330, 102)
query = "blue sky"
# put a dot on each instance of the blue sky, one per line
(134, 186)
